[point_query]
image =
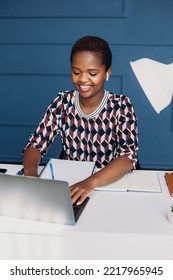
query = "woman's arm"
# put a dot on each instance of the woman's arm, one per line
(41, 139)
(31, 160)
(112, 172)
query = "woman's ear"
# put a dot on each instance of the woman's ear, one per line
(108, 73)
(107, 76)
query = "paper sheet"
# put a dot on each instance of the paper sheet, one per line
(156, 80)
(68, 170)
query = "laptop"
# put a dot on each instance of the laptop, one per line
(38, 199)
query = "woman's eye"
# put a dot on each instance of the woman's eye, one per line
(93, 74)
(76, 73)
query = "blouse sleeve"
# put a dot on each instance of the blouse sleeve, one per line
(47, 129)
(127, 131)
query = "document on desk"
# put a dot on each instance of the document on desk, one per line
(138, 180)
(67, 170)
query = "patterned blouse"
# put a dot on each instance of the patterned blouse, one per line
(107, 133)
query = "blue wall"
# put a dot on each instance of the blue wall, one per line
(35, 41)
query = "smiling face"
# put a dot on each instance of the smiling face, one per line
(89, 75)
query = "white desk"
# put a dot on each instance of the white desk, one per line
(114, 225)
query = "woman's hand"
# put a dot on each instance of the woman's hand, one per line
(81, 190)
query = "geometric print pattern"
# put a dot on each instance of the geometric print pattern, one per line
(110, 131)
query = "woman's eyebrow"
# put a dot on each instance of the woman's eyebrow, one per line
(75, 67)
(91, 69)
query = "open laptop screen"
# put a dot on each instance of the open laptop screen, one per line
(36, 199)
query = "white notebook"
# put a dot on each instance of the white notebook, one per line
(68, 170)
(138, 180)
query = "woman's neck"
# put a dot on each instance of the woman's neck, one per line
(89, 105)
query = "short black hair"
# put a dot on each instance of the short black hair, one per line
(93, 44)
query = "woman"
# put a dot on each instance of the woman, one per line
(94, 124)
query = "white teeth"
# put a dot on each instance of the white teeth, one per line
(84, 87)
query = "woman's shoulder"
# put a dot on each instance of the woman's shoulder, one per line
(68, 94)
(118, 98)
(64, 97)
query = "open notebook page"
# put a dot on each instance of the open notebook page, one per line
(138, 180)
(144, 180)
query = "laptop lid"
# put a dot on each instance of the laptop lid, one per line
(36, 199)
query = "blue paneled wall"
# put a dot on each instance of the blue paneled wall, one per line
(35, 42)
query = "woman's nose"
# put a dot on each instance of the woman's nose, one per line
(83, 77)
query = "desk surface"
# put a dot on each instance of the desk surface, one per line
(114, 225)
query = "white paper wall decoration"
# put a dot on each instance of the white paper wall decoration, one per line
(156, 80)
